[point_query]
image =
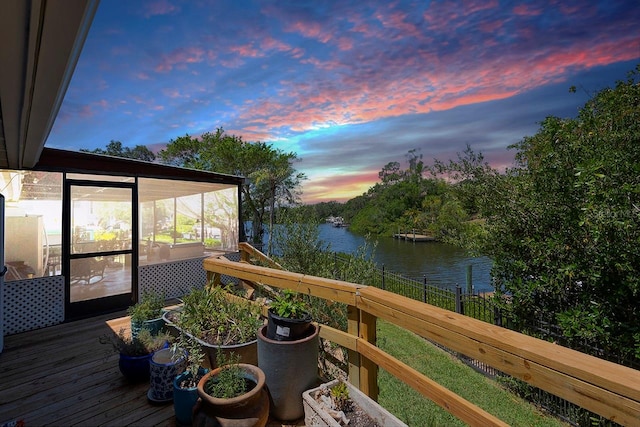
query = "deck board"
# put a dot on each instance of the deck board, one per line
(63, 376)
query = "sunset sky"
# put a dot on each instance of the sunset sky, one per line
(347, 85)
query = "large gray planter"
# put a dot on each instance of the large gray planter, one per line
(316, 415)
(247, 352)
(290, 367)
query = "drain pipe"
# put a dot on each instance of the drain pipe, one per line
(4, 270)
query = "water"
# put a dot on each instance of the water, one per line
(443, 265)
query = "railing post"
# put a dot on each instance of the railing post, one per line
(353, 321)
(424, 288)
(368, 369)
(363, 373)
(213, 279)
(470, 279)
(383, 285)
(459, 305)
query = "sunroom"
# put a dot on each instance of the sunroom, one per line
(86, 234)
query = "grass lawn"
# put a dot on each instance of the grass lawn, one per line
(416, 410)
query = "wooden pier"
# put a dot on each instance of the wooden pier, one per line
(414, 237)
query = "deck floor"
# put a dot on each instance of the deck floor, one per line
(63, 376)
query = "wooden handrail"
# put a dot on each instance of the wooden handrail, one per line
(605, 388)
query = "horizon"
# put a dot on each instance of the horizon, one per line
(348, 86)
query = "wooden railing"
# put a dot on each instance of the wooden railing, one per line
(602, 387)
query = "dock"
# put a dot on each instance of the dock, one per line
(414, 237)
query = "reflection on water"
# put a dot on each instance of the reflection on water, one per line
(443, 265)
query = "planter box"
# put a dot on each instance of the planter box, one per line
(315, 415)
(248, 352)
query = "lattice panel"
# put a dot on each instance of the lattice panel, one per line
(173, 279)
(33, 304)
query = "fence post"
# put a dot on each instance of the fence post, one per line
(459, 305)
(497, 316)
(383, 285)
(424, 288)
(470, 279)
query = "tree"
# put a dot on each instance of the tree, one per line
(271, 177)
(115, 148)
(564, 224)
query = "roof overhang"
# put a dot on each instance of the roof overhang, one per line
(56, 160)
(41, 43)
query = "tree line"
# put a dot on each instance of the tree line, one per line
(562, 225)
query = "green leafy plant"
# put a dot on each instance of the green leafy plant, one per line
(230, 381)
(144, 343)
(195, 357)
(289, 304)
(218, 318)
(149, 307)
(340, 396)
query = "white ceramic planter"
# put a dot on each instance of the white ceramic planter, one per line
(315, 415)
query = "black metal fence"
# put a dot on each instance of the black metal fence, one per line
(483, 307)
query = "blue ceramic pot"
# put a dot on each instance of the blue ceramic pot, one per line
(184, 399)
(164, 366)
(136, 368)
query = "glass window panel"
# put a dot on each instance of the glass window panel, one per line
(33, 223)
(101, 219)
(176, 216)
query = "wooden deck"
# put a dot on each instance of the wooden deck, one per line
(63, 376)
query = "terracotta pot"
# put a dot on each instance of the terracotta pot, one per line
(248, 410)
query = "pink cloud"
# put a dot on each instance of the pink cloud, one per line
(527, 10)
(246, 50)
(312, 30)
(160, 7)
(85, 111)
(180, 58)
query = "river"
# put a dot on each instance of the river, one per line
(443, 265)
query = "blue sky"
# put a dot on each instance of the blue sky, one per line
(347, 85)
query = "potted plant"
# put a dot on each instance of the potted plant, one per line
(220, 322)
(232, 394)
(164, 367)
(288, 317)
(185, 385)
(136, 352)
(290, 367)
(338, 403)
(147, 313)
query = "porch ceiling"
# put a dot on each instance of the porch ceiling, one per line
(41, 42)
